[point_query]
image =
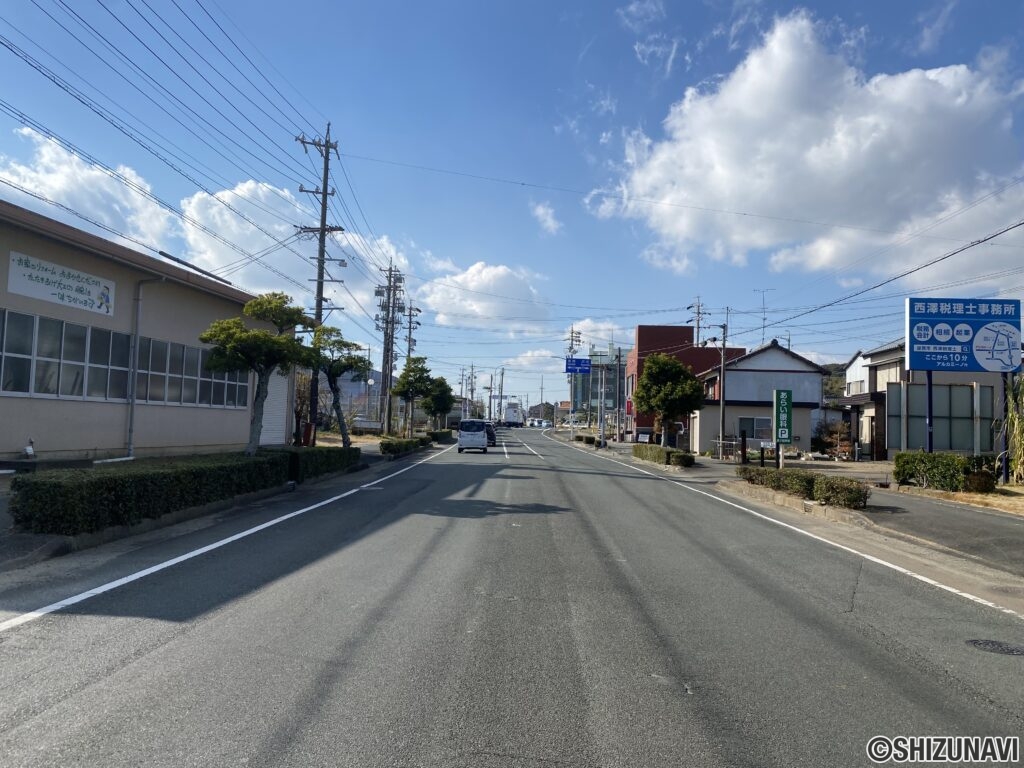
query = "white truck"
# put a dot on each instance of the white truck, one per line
(513, 415)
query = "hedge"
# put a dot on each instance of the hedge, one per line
(589, 439)
(441, 436)
(943, 471)
(828, 489)
(655, 453)
(73, 501)
(304, 463)
(397, 446)
(841, 492)
(682, 459)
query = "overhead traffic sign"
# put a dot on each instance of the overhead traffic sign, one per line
(963, 335)
(577, 365)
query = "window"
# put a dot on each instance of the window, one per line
(46, 357)
(19, 336)
(757, 427)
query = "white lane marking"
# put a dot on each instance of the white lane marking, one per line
(531, 450)
(816, 537)
(25, 618)
(504, 448)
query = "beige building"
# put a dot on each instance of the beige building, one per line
(888, 406)
(750, 381)
(100, 354)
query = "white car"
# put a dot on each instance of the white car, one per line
(473, 434)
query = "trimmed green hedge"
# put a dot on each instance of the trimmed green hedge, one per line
(828, 489)
(589, 439)
(441, 436)
(841, 492)
(397, 446)
(73, 501)
(650, 452)
(307, 462)
(942, 471)
(682, 459)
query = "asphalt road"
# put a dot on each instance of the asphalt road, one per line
(540, 607)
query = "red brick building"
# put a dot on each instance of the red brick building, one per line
(674, 340)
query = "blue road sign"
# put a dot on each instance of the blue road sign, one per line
(577, 365)
(963, 335)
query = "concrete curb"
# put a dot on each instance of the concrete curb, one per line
(780, 499)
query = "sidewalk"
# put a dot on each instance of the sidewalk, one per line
(981, 534)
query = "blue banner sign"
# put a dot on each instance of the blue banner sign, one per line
(577, 365)
(963, 335)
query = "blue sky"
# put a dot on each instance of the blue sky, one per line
(536, 166)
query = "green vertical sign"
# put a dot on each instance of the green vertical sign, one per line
(783, 416)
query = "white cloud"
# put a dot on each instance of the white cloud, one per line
(599, 334)
(797, 132)
(640, 14)
(539, 361)
(606, 136)
(275, 211)
(934, 23)
(59, 175)
(436, 264)
(488, 294)
(605, 104)
(545, 216)
(657, 50)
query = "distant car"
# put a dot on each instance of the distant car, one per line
(492, 436)
(545, 424)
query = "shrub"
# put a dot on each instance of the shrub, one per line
(73, 501)
(397, 446)
(653, 453)
(441, 436)
(982, 481)
(756, 475)
(799, 482)
(304, 463)
(681, 459)
(841, 492)
(589, 439)
(944, 471)
(578, 438)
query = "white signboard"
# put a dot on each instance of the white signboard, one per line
(47, 281)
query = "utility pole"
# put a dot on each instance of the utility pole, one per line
(764, 314)
(462, 390)
(618, 395)
(410, 345)
(324, 147)
(472, 390)
(698, 315)
(392, 306)
(574, 340)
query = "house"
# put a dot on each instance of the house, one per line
(888, 406)
(100, 354)
(750, 381)
(676, 341)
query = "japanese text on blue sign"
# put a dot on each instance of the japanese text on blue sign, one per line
(963, 335)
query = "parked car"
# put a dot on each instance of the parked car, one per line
(492, 436)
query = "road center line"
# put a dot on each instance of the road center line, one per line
(816, 537)
(25, 618)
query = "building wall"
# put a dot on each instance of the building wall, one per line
(704, 425)
(674, 340)
(68, 424)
